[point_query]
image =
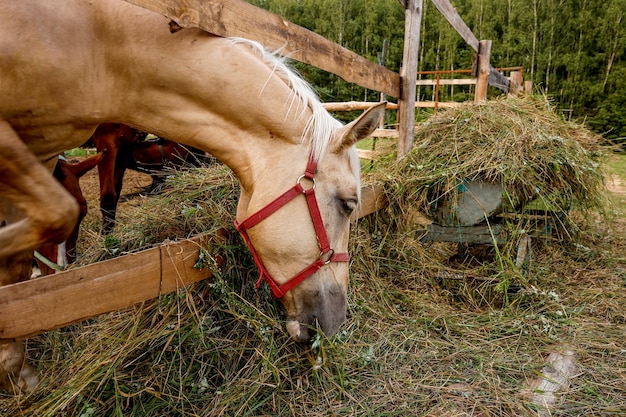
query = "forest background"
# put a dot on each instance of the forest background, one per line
(574, 51)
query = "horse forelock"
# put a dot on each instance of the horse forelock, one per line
(320, 126)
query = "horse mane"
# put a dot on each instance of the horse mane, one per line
(320, 126)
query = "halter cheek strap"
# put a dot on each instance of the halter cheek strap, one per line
(327, 254)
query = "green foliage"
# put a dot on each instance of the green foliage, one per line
(76, 152)
(610, 118)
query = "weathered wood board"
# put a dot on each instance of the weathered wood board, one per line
(448, 11)
(32, 307)
(373, 198)
(490, 234)
(53, 301)
(240, 19)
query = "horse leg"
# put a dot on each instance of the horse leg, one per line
(49, 212)
(16, 375)
(118, 177)
(108, 193)
(26, 190)
(17, 267)
(70, 244)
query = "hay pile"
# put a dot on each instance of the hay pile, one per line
(193, 201)
(542, 163)
(518, 143)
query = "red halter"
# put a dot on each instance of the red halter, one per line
(327, 255)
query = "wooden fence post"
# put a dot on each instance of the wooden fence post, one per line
(408, 76)
(484, 54)
(528, 87)
(515, 85)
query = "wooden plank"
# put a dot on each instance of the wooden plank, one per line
(464, 234)
(355, 105)
(452, 16)
(561, 367)
(408, 76)
(498, 80)
(385, 133)
(240, 19)
(365, 154)
(528, 87)
(32, 307)
(440, 104)
(515, 83)
(458, 81)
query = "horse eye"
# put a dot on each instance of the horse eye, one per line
(348, 205)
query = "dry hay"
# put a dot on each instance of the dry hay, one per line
(192, 201)
(410, 346)
(518, 143)
(543, 165)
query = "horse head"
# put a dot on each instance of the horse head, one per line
(300, 239)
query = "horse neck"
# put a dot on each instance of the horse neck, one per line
(218, 96)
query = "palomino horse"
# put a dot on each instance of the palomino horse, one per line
(67, 66)
(126, 148)
(68, 174)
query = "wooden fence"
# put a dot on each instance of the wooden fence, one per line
(238, 18)
(41, 304)
(46, 303)
(437, 79)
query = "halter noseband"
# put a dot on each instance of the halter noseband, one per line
(327, 254)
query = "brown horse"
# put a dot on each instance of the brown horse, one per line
(68, 174)
(298, 169)
(127, 148)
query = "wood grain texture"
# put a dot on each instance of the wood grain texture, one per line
(236, 18)
(32, 307)
(408, 75)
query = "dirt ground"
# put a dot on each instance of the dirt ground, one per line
(134, 183)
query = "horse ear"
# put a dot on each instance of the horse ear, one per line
(360, 128)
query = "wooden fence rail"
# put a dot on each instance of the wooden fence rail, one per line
(239, 18)
(42, 304)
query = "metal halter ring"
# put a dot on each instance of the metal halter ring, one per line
(301, 177)
(326, 257)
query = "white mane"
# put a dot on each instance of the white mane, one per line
(321, 125)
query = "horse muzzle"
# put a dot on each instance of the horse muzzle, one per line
(325, 311)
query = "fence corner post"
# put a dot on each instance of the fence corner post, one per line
(484, 55)
(408, 76)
